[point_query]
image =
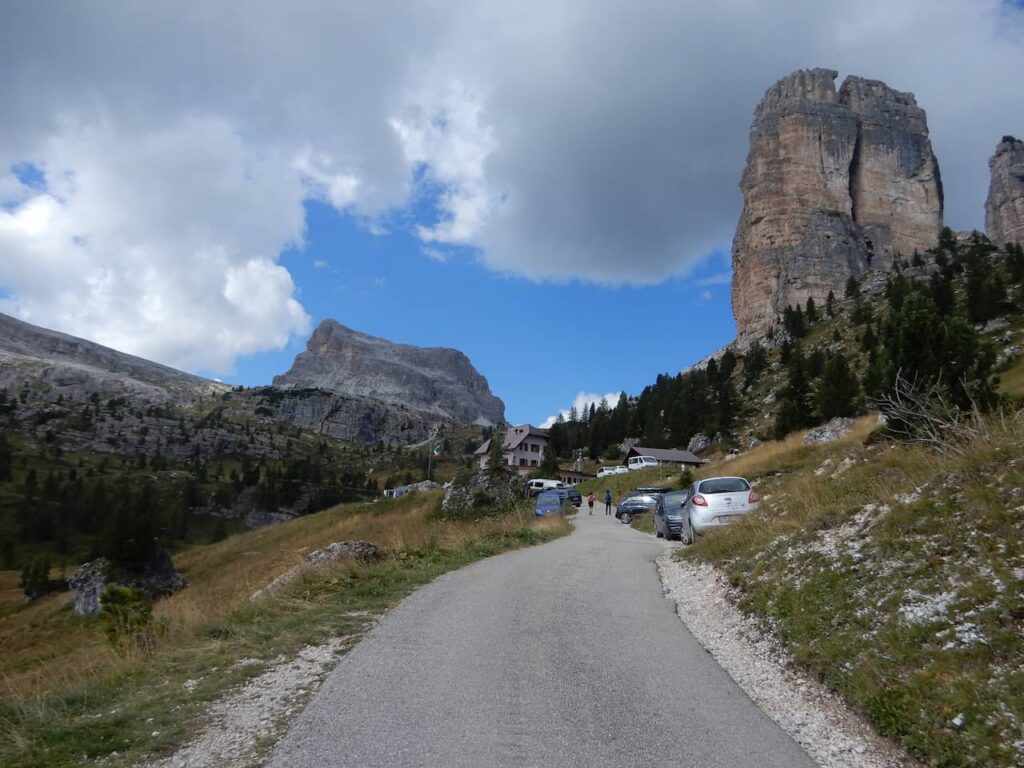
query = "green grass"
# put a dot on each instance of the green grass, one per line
(50, 720)
(833, 587)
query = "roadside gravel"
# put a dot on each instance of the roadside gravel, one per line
(830, 732)
(245, 723)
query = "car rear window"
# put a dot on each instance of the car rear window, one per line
(549, 498)
(724, 485)
(675, 499)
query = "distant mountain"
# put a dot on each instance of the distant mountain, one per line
(77, 368)
(434, 381)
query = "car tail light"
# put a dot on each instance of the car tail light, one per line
(700, 501)
(754, 497)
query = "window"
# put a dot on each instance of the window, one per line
(533, 462)
(522, 462)
(534, 447)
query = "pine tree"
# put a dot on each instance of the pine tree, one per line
(830, 304)
(837, 390)
(852, 288)
(496, 463)
(812, 310)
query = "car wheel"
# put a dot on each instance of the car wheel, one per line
(626, 518)
(686, 535)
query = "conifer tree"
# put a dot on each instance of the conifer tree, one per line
(837, 389)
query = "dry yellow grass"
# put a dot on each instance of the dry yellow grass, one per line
(43, 647)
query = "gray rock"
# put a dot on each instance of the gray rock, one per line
(829, 432)
(87, 584)
(77, 368)
(836, 183)
(994, 325)
(438, 382)
(698, 443)
(483, 492)
(1004, 207)
(357, 549)
(157, 578)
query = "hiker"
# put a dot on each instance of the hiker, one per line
(607, 502)
(590, 502)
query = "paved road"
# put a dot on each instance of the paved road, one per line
(561, 655)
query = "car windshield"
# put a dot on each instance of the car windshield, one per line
(674, 500)
(724, 485)
(549, 498)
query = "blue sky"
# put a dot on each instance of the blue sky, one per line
(538, 344)
(201, 189)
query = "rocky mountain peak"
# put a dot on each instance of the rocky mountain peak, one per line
(835, 182)
(1004, 208)
(435, 380)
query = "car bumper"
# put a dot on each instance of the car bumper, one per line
(702, 525)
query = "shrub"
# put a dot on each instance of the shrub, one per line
(125, 617)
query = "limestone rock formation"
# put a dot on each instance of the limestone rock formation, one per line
(438, 382)
(76, 367)
(1004, 208)
(835, 182)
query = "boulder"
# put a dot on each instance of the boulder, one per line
(829, 432)
(156, 578)
(357, 549)
(699, 442)
(483, 492)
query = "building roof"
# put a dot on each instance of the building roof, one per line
(513, 437)
(672, 455)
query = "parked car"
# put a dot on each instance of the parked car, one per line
(715, 502)
(533, 487)
(570, 495)
(605, 471)
(637, 502)
(547, 503)
(641, 462)
(621, 469)
(668, 515)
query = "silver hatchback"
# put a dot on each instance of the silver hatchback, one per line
(715, 502)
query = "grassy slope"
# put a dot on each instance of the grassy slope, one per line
(66, 694)
(896, 575)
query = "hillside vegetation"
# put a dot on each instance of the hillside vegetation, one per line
(72, 692)
(895, 573)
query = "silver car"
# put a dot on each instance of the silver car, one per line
(715, 502)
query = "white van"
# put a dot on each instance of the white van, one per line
(604, 471)
(642, 462)
(536, 486)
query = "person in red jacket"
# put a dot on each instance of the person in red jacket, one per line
(590, 503)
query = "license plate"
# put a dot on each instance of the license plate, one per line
(728, 518)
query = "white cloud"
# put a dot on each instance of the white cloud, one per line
(435, 255)
(722, 278)
(601, 141)
(163, 245)
(706, 295)
(583, 402)
(321, 264)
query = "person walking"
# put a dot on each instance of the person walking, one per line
(607, 502)
(590, 502)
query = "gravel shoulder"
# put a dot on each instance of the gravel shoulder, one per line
(830, 732)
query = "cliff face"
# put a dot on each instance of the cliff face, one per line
(835, 182)
(436, 381)
(76, 367)
(1004, 208)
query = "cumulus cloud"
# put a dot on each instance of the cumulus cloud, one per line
(601, 141)
(583, 402)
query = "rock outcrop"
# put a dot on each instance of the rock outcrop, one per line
(1004, 208)
(77, 368)
(436, 382)
(156, 578)
(836, 182)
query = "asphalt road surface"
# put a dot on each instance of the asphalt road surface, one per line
(565, 654)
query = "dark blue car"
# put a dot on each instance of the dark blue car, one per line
(547, 503)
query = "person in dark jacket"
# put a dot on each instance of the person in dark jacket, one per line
(607, 502)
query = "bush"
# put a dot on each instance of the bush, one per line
(125, 617)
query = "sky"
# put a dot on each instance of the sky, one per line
(551, 187)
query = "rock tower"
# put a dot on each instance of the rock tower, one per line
(1004, 208)
(835, 182)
